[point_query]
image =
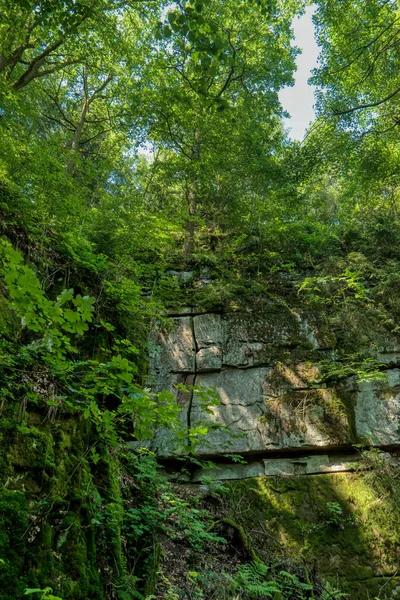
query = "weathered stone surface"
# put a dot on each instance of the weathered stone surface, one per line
(263, 367)
(389, 356)
(172, 351)
(283, 378)
(377, 410)
(308, 331)
(272, 328)
(249, 340)
(165, 442)
(235, 386)
(246, 339)
(180, 311)
(311, 465)
(242, 354)
(181, 277)
(229, 472)
(279, 467)
(248, 420)
(209, 359)
(207, 330)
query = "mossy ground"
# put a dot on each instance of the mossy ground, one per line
(293, 518)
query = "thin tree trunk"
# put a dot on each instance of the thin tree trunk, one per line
(190, 226)
(79, 129)
(82, 119)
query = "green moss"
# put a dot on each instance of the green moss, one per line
(360, 546)
(8, 430)
(108, 469)
(75, 558)
(32, 449)
(14, 524)
(60, 516)
(347, 399)
(375, 587)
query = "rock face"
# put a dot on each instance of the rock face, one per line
(263, 369)
(302, 489)
(286, 467)
(377, 411)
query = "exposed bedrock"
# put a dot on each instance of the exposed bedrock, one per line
(264, 370)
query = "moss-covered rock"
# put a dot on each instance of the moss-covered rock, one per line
(337, 524)
(60, 514)
(32, 449)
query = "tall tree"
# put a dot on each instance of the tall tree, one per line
(214, 101)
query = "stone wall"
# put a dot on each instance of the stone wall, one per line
(303, 491)
(263, 368)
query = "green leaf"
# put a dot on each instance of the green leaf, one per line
(65, 296)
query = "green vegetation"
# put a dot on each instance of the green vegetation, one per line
(142, 151)
(337, 525)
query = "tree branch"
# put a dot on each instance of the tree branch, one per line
(59, 122)
(367, 105)
(32, 72)
(34, 66)
(364, 48)
(100, 89)
(95, 136)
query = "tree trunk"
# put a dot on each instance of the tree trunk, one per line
(80, 126)
(82, 119)
(190, 226)
(78, 134)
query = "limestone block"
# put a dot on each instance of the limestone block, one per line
(389, 356)
(377, 411)
(308, 331)
(180, 311)
(308, 465)
(235, 386)
(207, 330)
(283, 378)
(254, 340)
(182, 277)
(172, 350)
(229, 472)
(164, 441)
(310, 418)
(273, 328)
(278, 467)
(248, 420)
(241, 354)
(209, 359)
(232, 424)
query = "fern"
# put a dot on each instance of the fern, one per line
(294, 585)
(255, 580)
(252, 580)
(331, 593)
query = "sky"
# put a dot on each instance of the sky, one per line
(298, 100)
